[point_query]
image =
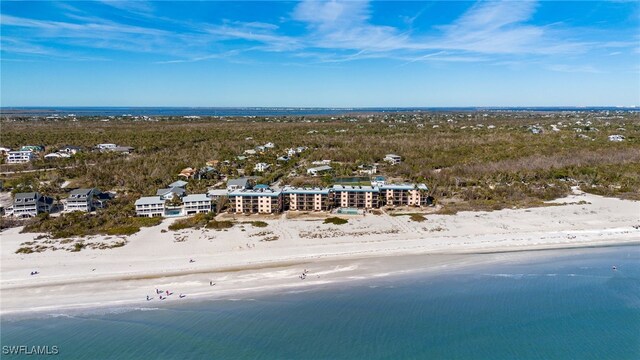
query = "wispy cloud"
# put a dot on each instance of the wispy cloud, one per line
(334, 31)
(574, 68)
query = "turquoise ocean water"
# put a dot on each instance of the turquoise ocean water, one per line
(571, 305)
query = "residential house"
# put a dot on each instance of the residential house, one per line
(150, 206)
(103, 147)
(269, 145)
(250, 152)
(178, 184)
(20, 156)
(124, 150)
(321, 162)
(169, 193)
(34, 148)
(307, 199)
(405, 195)
(239, 184)
(197, 204)
(70, 149)
(616, 138)
(57, 155)
(31, 204)
(261, 167)
(366, 197)
(367, 169)
(187, 173)
(315, 171)
(393, 159)
(81, 200)
(283, 158)
(256, 201)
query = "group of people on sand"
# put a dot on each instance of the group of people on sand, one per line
(303, 275)
(35, 272)
(164, 295)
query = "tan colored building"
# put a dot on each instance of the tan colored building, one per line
(363, 197)
(305, 199)
(405, 194)
(256, 201)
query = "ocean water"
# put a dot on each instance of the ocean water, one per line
(568, 304)
(264, 111)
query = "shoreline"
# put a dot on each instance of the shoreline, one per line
(239, 263)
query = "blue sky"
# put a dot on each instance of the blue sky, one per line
(312, 53)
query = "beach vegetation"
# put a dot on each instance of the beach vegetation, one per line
(335, 221)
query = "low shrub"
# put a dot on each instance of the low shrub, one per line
(335, 220)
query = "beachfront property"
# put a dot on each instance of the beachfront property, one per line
(31, 204)
(393, 159)
(256, 201)
(150, 206)
(405, 195)
(196, 204)
(20, 156)
(315, 171)
(362, 197)
(79, 200)
(307, 199)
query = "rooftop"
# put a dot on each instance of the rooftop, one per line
(149, 200)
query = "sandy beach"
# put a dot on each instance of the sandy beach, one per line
(246, 259)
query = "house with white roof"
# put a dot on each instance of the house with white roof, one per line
(315, 171)
(393, 159)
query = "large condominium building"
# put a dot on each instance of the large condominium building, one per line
(315, 199)
(150, 206)
(80, 200)
(19, 157)
(364, 197)
(256, 201)
(31, 204)
(404, 194)
(196, 204)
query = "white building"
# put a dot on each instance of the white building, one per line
(196, 204)
(393, 159)
(261, 167)
(20, 156)
(31, 204)
(106, 146)
(80, 200)
(256, 201)
(616, 138)
(150, 206)
(315, 171)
